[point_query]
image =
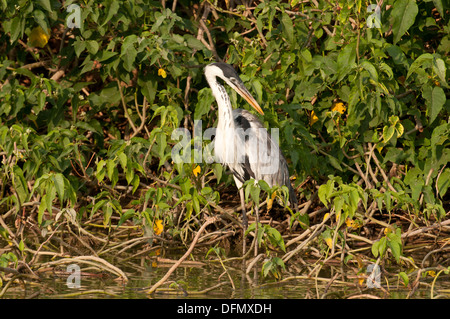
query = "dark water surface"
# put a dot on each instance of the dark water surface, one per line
(209, 280)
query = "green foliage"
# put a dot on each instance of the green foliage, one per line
(7, 258)
(346, 198)
(268, 235)
(391, 240)
(274, 266)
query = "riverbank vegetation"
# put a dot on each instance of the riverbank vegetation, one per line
(91, 93)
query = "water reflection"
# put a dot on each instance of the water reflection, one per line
(210, 280)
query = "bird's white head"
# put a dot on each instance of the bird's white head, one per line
(227, 73)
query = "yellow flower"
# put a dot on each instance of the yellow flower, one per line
(349, 222)
(38, 37)
(353, 224)
(196, 170)
(339, 107)
(361, 280)
(270, 201)
(329, 242)
(313, 118)
(162, 72)
(158, 227)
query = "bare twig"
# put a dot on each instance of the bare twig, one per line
(385, 177)
(124, 105)
(187, 253)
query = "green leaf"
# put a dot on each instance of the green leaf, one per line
(195, 203)
(334, 162)
(42, 208)
(206, 190)
(440, 7)
(107, 213)
(255, 190)
(16, 28)
(387, 70)
(382, 246)
(20, 184)
(272, 266)
(51, 194)
(395, 243)
(79, 46)
(112, 7)
(440, 69)
(399, 129)
(100, 173)
(128, 52)
(92, 46)
(123, 160)
(264, 186)
(323, 190)
(366, 65)
(249, 57)
(194, 43)
(129, 174)
(125, 216)
(404, 277)
(346, 60)
(149, 86)
(158, 22)
(404, 14)
(375, 248)
(128, 59)
(21, 245)
(205, 99)
(110, 167)
(58, 180)
(443, 182)
(258, 89)
(397, 55)
(218, 171)
(135, 183)
(266, 268)
(41, 19)
(46, 5)
(338, 203)
(354, 200)
(275, 238)
(388, 132)
(288, 27)
(423, 60)
(435, 99)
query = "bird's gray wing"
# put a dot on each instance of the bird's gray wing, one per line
(261, 157)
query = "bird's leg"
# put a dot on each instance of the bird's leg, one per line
(244, 220)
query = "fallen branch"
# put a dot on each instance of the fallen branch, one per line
(90, 260)
(186, 254)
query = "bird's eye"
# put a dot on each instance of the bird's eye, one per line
(234, 81)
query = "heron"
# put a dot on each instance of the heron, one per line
(242, 143)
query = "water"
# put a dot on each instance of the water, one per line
(209, 280)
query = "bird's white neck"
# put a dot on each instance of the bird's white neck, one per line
(224, 148)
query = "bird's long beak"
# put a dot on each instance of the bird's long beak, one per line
(242, 90)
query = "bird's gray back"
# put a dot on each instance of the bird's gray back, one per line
(264, 158)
